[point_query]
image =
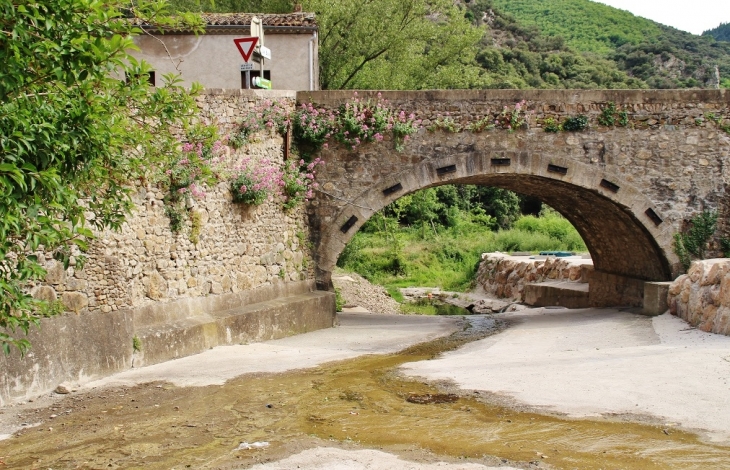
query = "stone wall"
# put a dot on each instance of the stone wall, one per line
(702, 296)
(240, 247)
(505, 277)
(627, 189)
(176, 294)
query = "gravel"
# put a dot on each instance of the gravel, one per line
(358, 292)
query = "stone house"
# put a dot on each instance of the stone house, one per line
(213, 59)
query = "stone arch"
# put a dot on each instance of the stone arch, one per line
(624, 232)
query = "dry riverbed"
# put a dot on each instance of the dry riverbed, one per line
(542, 388)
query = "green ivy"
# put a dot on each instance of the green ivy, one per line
(693, 243)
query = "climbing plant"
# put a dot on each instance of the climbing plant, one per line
(694, 242)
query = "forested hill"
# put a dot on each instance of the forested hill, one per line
(661, 56)
(721, 33)
(419, 44)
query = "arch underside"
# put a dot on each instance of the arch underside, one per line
(619, 244)
(618, 241)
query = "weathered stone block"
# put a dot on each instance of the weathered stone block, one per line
(74, 301)
(55, 274)
(157, 286)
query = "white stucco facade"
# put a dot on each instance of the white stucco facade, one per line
(213, 59)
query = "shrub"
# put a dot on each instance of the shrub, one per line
(575, 123)
(265, 115)
(514, 118)
(297, 181)
(255, 183)
(551, 125)
(694, 243)
(312, 127)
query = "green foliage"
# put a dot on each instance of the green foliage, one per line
(312, 127)
(513, 118)
(78, 124)
(297, 181)
(725, 246)
(395, 45)
(447, 252)
(721, 33)
(444, 124)
(339, 301)
(357, 122)
(196, 226)
(551, 125)
(254, 182)
(693, 243)
(516, 54)
(575, 123)
(585, 25)
(265, 115)
(608, 115)
(554, 226)
(480, 125)
(361, 121)
(136, 344)
(653, 54)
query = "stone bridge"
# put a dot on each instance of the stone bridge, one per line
(626, 188)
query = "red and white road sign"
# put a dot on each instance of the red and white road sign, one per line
(246, 46)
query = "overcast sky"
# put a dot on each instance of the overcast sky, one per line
(694, 16)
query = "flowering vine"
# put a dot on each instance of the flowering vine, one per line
(297, 181)
(514, 118)
(255, 182)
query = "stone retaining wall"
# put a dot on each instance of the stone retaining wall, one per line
(240, 247)
(144, 272)
(702, 296)
(505, 277)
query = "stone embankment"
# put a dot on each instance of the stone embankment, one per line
(505, 276)
(702, 296)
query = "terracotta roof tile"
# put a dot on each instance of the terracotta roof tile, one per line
(269, 19)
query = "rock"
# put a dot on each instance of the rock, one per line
(55, 274)
(62, 390)
(75, 301)
(157, 287)
(46, 293)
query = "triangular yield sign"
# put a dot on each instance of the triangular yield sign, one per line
(245, 46)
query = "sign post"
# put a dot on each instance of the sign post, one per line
(257, 30)
(245, 47)
(253, 46)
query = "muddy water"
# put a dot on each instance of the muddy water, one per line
(361, 401)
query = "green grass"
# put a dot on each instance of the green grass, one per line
(448, 258)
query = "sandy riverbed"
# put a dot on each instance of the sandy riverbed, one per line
(580, 362)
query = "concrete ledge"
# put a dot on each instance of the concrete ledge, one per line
(557, 293)
(257, 322)
(77, 348)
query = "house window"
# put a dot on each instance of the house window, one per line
(254, 73)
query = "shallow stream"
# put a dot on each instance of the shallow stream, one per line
(355, 402)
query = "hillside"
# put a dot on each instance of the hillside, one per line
(516, 54)
(721, 33)
(661, 56)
